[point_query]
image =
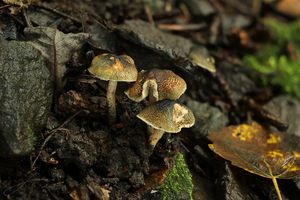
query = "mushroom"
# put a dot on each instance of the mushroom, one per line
(113, 68)
(158, 84)
(166, 116)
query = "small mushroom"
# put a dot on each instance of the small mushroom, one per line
(113, 68)
(166, 116)
(158, 84)
(199, 56)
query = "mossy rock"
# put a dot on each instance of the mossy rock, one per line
(178, 184)
(25, 98)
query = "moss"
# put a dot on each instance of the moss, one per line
(274, 63)
(178, 183)
(31, 137)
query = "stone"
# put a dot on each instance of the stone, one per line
(208, 118)
(25, 97)
(200, 8)
(231, 185)
(238, 80)
(145, 35)
(287, 109)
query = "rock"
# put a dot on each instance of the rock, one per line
(234, 21)
(25, 98)
(100, 37)
(232, 185)
(237, 79)
(208, 118)
(288, 110)
(200, 7)
(145, 35)
(8, 27)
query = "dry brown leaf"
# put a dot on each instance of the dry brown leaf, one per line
(17, 5)
(99, 191)
(259, 151)
(56, 47)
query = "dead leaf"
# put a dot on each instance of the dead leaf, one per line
(99, 191)
(17, 5)
(20, 2)
(56, 47)
(79, 193)
(259, 151)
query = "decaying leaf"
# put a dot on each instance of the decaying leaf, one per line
(99, 191)
(259, 151)
(17, 5)
(79, 193)
(55, 46)
(20, 2)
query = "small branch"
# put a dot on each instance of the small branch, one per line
(26, 18)
(58, 13)
(5, 6)
(181, 27)
(51, 133)
(149, 14)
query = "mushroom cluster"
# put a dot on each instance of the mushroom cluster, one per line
(161, 87)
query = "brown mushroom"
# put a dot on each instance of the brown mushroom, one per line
(113, 68)
(158, 84)
(200, 57)
(166, 116)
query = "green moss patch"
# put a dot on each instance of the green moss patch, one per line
(273, 60)
(178, 183)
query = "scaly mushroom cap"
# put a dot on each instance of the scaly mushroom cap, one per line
(112, 67)
(167, 115)
(164, 84)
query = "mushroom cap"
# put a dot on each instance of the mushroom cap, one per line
(114, 68)
(168, 116)
(164, 84)
(200, 57)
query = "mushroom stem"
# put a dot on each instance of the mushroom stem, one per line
(153, 94)
(154, 135)
(152, 98)
(111, 101)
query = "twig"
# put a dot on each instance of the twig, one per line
(11, 190)
(58, 13)
(5, 6)
(26, 18)
(149, 14)
(181, 27)
(52, 132)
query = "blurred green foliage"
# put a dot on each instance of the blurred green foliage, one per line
(273, 61)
